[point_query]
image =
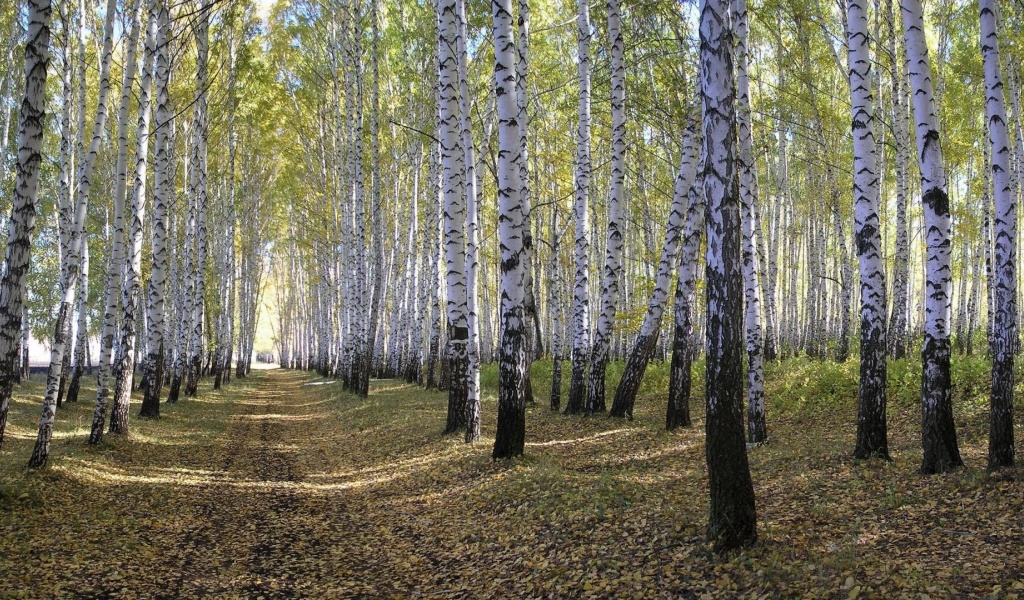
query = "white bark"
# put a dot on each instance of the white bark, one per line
(757, 431)
(938, 432)
(616, 191)
(116, 258)
(872, 438)
(581, 218)
(1000, 448)
(31, 120)
(125, 362)
(512, 362)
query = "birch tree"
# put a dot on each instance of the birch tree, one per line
(510, 436)
(938, 432)
(112, 288)
(577, 401)
(757, 427)
(643, 347)
(1004, 329)
(680, 371)
(616, 189)
(198, 191)
(31, 121)
(453, 161)
(163, 189)
(125, 362)
(872, 435)
(732, 521)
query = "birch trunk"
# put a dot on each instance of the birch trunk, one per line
(872, 435)
(125, 363)
(732, 519)
(614, 245)
(453, 161)
(680, 376)
(938, 432)
(163, 190)
(1000, 438)
(643, 348)
(473, 229)
(116, 258)
(577, 401)
(31, 121)
(757, 427)
(198, 190)
(510, 435)
(898, 334)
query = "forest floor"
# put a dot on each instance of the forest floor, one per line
(276, 487)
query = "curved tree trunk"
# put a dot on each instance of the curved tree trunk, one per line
(31, 120)
(683, 346)
(625, 395)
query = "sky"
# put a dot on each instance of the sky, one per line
(263, 8)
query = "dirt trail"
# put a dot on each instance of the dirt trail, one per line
(264, 528)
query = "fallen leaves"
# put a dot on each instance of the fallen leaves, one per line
(275, 489)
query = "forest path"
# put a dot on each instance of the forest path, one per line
(281, 485)
(269, 529)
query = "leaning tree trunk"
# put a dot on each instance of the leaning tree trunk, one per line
(510, 435)
(938, 432)
(31, 120)
(577, 401)
(1000, 438)
(872, 436)
(116, 259)
(616, 191)
(680, 376)
(732, 522)
(125, 363)
(643, 348)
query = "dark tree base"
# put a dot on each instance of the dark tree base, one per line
(938, 432)
(175, 391)
(458, 366)
(577, 402)
(1000, 436)
(556, 384)
(595, 395)
(625, 394)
